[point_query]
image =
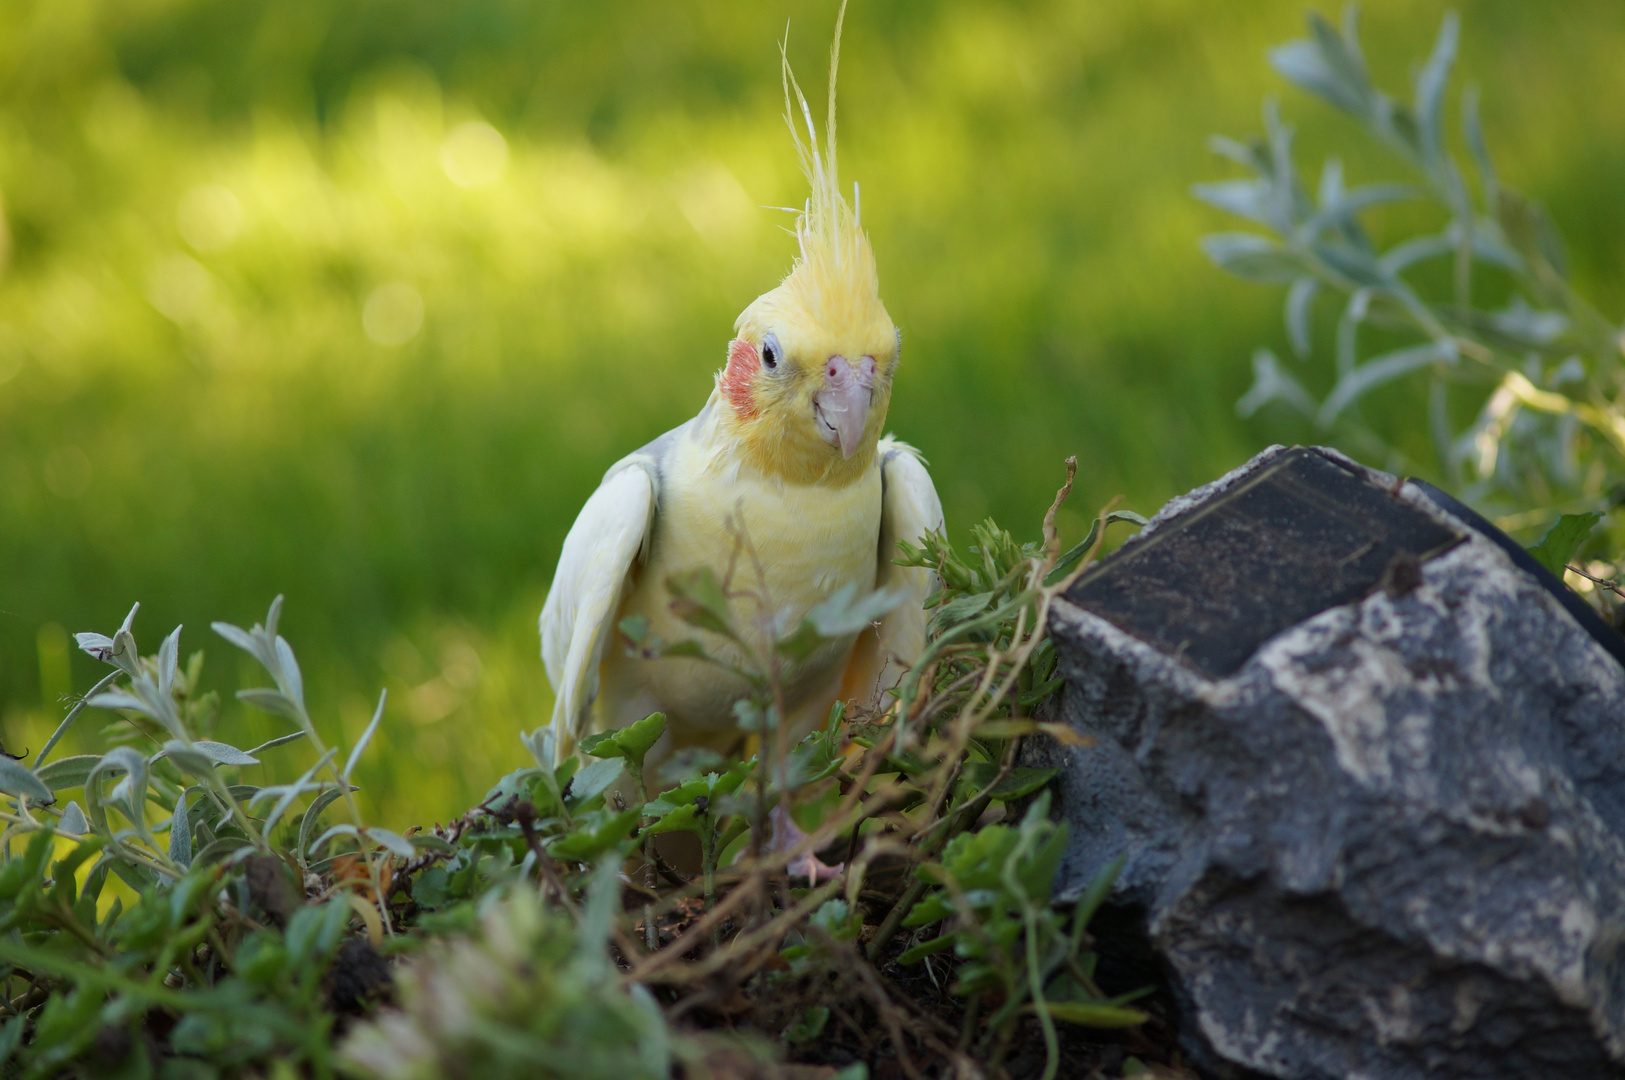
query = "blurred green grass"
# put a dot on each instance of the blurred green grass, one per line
(356, 302)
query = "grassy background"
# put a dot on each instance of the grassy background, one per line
(356, 301)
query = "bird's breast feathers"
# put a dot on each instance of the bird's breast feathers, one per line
(793, 544)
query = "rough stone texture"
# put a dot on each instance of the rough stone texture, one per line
(1389, 845)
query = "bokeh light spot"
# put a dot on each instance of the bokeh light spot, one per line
(209, 217)
(180, 288)
(474, 155)
(715, 203)
(393, 313)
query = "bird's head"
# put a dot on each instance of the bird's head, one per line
(809, 372)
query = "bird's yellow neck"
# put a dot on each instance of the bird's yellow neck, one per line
(759, 443)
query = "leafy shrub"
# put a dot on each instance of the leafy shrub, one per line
(1479, 305)
(542, 933)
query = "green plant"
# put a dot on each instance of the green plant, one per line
(1479, 304)
(250, 933)
(1013, 945)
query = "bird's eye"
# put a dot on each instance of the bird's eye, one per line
(770, 352)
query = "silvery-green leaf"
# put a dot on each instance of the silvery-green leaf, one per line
(168, 658)
(313, 814)
(1251, 199)
(117, 699)
(18, 779)
(1354, 313)
(1346, 206)
(185, 758)
(1430, 85)
(227, 850)
(99, 646)
(1488, 246)
(292, 681)
(73, 821)
(366, 737)
(280, 740)
(1299, 300)
(1407, 253)
(337, 830)
(1255, 258)
(119, 761)
(131, 791)
(1351, 264)
(1475, 144)
(1534, 327)
(392, 842)
(68, 772)
(1330, 190)
(124, 653)
(224, 753)
(272, 701)
(180, 834)
(238, 637)
(1326, 67)
(1290, 203)
(272, 617)
(1374, 373)
(1251, 155)
(1270, 383)
(292, 791)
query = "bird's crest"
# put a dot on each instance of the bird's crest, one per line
(834, 277)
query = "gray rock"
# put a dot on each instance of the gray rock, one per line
(1388, 844)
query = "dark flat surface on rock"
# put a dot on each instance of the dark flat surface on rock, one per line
(1301, 535)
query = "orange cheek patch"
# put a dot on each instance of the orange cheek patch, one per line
(743, 364)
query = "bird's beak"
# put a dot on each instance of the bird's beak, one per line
(841, 408)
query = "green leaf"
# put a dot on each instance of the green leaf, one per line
(73, 821)
(1299, 302)
(1067, 561)
(594, 834)
(429, 890)
(18, 779)
(1562, 541)
(392, 842)
(68, 772)
(24, 872)
(631, 742)
(272, 701)
(1255, 258)
(366, 737)
(1022, 781)
(1097, 1016)
(808, 1026)
(1328, 65)
(313, 814)
(595, 779)
(1250, 199)
(1430, 87)
(1374, 373)
(1357, 267)
(180, 834)
(927, 948)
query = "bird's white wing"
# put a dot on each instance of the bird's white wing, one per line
(909, 508)
(609, 534)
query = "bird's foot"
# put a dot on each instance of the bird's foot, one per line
(787, 834)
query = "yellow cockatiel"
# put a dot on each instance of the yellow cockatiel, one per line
(788, 445)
